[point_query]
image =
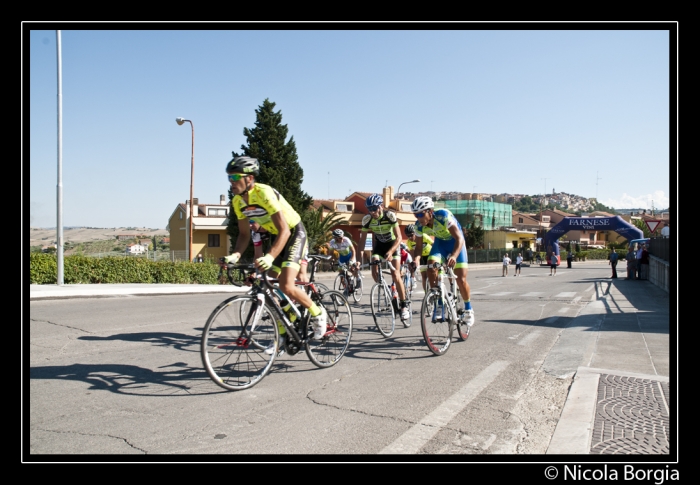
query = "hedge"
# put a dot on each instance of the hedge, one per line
(43, 270)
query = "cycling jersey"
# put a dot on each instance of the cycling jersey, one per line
(343, 247)
(259, 237)
(443, 219)
(382, 228)
(427, 245)
(263, 201)
(406, 256)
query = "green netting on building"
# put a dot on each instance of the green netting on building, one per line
(489, 215)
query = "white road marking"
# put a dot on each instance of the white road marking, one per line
(565, 294)
(501, 293)
(534, 293)
(530, 337)
(564, 310)
(415, 438)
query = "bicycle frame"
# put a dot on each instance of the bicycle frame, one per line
(444, 293)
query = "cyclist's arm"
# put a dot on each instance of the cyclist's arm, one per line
(397, 241)
(459, 243)
(418, 250)
(243, 236)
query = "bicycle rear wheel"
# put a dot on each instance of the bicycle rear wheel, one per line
(331, 348)
(436, 327)
(409, 295)
(233, 352)
(382, 309)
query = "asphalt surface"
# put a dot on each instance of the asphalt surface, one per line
(618, 404)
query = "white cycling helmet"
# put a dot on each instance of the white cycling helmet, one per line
(421, 204)
(338, 233)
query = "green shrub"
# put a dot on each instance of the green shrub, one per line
(79, 269)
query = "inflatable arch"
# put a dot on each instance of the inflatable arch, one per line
(616, 223)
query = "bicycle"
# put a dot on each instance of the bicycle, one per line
(348, 284)
(240, 341)
(438, 322)
(384, 303)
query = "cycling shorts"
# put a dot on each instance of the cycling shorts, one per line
(380, 249)
(345, 259)
(294, 251)
(441, 250)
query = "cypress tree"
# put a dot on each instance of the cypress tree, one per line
(279, 166)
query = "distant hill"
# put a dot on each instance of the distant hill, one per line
(39, 236)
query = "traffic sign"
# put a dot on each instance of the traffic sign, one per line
(652, 225)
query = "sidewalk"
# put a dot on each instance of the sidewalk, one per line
(618, 349)
(620, 399)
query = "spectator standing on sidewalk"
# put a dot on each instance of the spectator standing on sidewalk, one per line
(506, 262)
(638, 260)
(518, 264)
(569, 258)
(644, 260)
(631, 263)
(612, 261)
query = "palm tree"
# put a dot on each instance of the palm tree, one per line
(318, 227)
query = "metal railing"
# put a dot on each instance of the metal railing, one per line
(660, 247)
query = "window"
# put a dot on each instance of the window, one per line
(216, 212)
(545, 218)
(213, 240)
(180, 215)
(343, 207)
(520, 220)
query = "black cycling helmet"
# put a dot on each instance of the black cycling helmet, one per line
(410, 229)
(244, 165)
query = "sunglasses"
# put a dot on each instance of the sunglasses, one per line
(373, 208)
(235, 177)
(419, 215)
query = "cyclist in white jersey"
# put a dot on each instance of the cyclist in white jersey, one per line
(346, 250)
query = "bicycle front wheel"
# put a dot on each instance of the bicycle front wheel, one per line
(382, 309)
(237, 352)
(357, 293)
(331, 348)
(435, 324)
(340, 284)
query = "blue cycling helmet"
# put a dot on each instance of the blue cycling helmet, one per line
(374, 199)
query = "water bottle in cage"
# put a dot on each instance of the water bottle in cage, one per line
(394, 293)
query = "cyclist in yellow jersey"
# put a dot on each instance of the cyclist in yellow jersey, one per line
(419, 258)
(263, 204)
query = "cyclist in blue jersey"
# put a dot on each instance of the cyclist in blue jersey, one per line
(448, 247)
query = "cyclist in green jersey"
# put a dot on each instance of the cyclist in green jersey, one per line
(386, 241)
(263, 204)
(419, 258)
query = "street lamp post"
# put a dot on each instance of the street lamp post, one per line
(181, 121)
(403, 183)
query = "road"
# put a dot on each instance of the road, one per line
(123, 376)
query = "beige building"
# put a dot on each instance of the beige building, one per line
(209, 237)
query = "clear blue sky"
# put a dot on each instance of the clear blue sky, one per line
(521, 111)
